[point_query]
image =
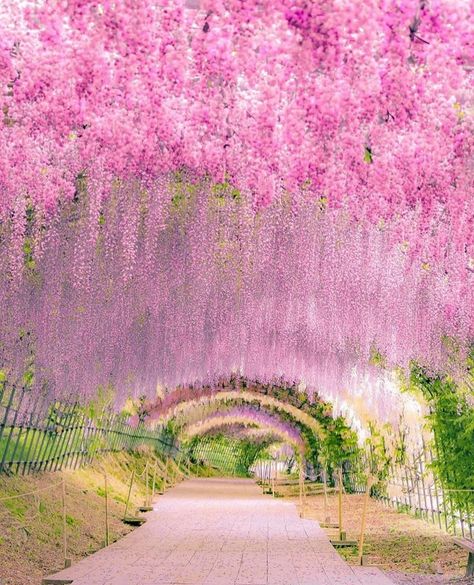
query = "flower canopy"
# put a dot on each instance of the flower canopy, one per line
(191, 188)
(251, 418)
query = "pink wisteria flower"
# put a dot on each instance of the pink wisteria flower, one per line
(193, 188)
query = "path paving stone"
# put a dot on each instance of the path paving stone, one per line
(221, 532)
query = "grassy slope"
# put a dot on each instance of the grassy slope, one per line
(31, 534)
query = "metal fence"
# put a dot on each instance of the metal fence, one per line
(39, 436)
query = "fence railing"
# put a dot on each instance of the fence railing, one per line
(413, 486)
(37, 436)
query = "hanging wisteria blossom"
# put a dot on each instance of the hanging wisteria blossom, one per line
(275, 188)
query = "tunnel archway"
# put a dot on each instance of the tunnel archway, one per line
(247, 417)
(186, 407)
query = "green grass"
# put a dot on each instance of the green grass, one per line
(71, 521)
(16, 507)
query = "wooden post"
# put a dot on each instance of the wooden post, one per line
(304, 491)
(301, 489)
(153, 485)
(342, 534)
(67, 561)
(146, 486)
(327, 518)
(106, 509)
(129, 492)
(370, 483)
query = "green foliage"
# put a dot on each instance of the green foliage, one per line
(451, 419)
(249, 452)
(71, 521)
(28, 377)
(183, 194)
(28, 258)
(225, 192)
(339, 447)
(379, 457)
(368, 156)
(377, 358)
(16, 507)
(103, 401)
(170, 431)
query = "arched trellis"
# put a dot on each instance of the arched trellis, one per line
(189, 406)
(248, 417)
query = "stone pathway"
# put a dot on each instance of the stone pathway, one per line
(220, 532)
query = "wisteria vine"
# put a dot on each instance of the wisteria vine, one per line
(274, 188)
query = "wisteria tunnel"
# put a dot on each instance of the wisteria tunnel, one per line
(236, 292)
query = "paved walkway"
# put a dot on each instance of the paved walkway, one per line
(220, 532)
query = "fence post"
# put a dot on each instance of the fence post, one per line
(50, 435)
(23, 456)
(11, 458)
(58, 437)
(12, 427)
(70, 447)
(32, 429)
(129, 493)
(327, 518)
(67, 561)
(8, 407)
(301, 479)
(342, 534)
(425, 464)
(441, 488)
(106, 509)
(79, 441)
(363, 520)
(28, 455)
(153, 485)
(64, 440)
(415, 470)
(42, 441)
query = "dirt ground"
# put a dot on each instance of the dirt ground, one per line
(410, 550)
(31, 527)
